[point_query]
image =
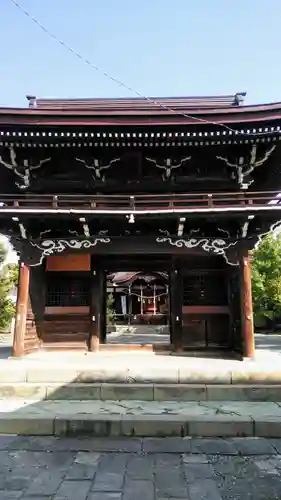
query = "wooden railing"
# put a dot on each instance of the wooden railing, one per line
(140, 202)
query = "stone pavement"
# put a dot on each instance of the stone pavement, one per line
(134, 469)
(140, 418)
(137, 367)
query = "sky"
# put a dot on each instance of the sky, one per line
(158, 47)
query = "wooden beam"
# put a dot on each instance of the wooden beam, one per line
(21, 310)
(247, 322)
(181, 226)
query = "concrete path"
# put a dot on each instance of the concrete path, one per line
(134, 469)
(140, 418)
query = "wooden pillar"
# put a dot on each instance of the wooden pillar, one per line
(130, 306)
(96, 310)
(176, 308)
(234, 300)
(21, 310)
(247, 322)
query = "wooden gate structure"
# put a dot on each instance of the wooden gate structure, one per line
(94, 185)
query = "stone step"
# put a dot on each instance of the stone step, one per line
(141, 329)
(140, 369)
(140, 418)
(145, 392)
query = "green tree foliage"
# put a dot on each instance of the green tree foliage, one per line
(8, 279)
(266, 280)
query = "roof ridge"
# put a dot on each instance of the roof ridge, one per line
(177, 102)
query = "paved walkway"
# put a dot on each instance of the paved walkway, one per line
(149, 469)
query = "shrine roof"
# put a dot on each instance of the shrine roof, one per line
(123, 277)
(203, 112)
(137, 105)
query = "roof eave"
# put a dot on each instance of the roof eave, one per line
(106, 117)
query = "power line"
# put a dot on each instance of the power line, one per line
(124, 85)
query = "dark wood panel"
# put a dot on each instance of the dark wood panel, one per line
(65, 338)
(194, 331)
(76, 327)
(206, 330)
(205, 310)
(66, 311)
(65, 331)
(31, 345)
(64, 346)
(218, 331)
(31, 340)
(35, 309)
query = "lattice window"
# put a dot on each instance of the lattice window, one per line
(208, 290)
(67, 291)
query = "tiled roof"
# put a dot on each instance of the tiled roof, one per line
(127, 106)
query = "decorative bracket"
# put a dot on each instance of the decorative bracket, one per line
(217, 246)
(51, 247)
(244, 168)
(96, 168)
(24, 171)
(168, 166)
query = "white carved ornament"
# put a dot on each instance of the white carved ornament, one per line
(24, 171)
(217, 246)
(49, 247)
(96, 168)
(168, 166)
(244, 168)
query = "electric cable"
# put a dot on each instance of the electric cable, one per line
(127, 87)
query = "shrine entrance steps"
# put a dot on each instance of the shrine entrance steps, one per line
(142, 335)
(141, 329)
(145, 392)
(133, 394)
(130, 418)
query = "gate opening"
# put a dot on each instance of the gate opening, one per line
(137, 308)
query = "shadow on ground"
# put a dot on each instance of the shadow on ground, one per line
(5, 350)
(268, 342)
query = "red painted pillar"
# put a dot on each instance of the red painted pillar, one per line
(247, 322)
(21, 310)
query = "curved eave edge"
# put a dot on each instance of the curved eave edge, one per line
(244, 114)
(148, 111)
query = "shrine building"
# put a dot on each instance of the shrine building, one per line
(133, 220)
